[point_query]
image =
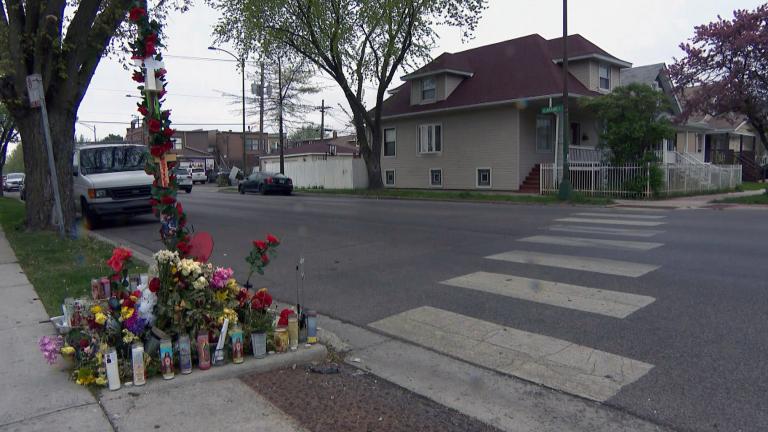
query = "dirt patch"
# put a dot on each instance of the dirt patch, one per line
(352, 400)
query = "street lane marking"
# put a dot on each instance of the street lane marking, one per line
(589, 242)
(611, 221)
(629, 232)
(555, 363)
(621, 215)
(595, 265)
(604, 302)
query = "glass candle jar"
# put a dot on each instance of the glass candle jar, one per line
(293, 331)
(185, 355)
(281, 339)
(311, 327)
(236, 339)
(166, 359)
(203, 351)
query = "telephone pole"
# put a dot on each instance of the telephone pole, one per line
(565, 183)
(262, 144)
(322, 119)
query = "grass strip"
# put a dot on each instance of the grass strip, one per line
(57, 268)
(761, 199)
(458, 196)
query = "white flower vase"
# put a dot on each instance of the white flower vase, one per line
(259, 344)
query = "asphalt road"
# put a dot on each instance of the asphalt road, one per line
(369, 259)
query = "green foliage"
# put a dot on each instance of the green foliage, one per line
(112, 138)
(635, 121)
(15, 161)
(307, 132)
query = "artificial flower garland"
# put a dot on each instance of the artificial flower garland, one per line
(164, 202)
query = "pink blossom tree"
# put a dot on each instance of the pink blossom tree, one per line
(728, 61)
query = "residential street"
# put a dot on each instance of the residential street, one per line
(659, 313)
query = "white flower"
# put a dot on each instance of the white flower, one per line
(189, 268)
(200, 283)
(166, 257)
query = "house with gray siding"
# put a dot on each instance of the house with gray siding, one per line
(486, 118)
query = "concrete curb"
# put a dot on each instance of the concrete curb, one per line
(139, 252)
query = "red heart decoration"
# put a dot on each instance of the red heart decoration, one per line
(201, 246)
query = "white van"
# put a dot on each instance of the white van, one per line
(110, 181)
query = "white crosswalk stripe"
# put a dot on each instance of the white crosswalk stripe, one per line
(611, 221)
(555, 363)
(604, 302)
(620, 215)
(585, 229)
(596, 265)
(587, 242)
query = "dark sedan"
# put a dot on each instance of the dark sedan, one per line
(264, 183)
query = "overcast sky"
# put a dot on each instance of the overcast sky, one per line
(641, 32)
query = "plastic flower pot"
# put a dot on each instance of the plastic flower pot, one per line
(259, 344)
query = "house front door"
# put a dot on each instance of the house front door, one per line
(576, 134)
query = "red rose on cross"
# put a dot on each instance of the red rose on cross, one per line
(137, 13)
(154, 125)
(138, 77)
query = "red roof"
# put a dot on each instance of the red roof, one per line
(505, 71)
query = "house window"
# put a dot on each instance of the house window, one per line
(389, 177)
(428, 89)
(390, 136)
(430, 138)
(483, 177)
(435, 177)
(176, 143)
(545, 133)
(699, 143)
(605, 77)
(251, 144)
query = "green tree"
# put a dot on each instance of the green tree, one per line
(63, 41)
(636, 119)
(355, 42)
(15, 161)
(112, 138)
(307, 132)
(8, 134)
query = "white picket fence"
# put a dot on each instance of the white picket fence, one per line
(598, 179)
(330, 173)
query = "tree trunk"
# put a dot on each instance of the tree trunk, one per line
(38, 189)
(372, 158)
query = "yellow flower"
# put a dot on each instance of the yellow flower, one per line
(221, 296)
(99, 357)
(67, 350)
(101, 381)
(95, 309)
(100, 318)
(126, 312)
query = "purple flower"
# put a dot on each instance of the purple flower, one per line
(50, 347)
(135, 324)
(221, 276)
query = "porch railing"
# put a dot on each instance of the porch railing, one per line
(597, 179)
(586, 154)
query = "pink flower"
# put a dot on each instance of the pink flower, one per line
(50, 346)
(221, 276)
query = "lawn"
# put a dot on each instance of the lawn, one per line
(57, 268)
(749, 186)
(457, 196)
(752, 199)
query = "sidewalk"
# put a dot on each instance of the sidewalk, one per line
(690, 202)
(40, 397)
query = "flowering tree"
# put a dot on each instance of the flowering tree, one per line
(728, 60)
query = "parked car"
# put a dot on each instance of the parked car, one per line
(265, 182)
(110, 181)
(13, 182)
(198, 175)
(183, 179)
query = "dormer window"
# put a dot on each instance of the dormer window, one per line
(605, 77)
(428, 89)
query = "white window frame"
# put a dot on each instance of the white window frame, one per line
(600, 78)
(433, 89)
(384, 140)
(394, 178)
(490, 178)
(553, 120)
(418, 138)
(442, 179)
(700, 142)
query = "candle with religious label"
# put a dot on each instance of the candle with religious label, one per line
(137, 360)
(203, 351)
(281, 339)
(166, 359)
(106, 288)
(185, 355)
(311, 327)
(95, 289)
(113, 373)
(236, 339)
(218, 355)
(293, 331)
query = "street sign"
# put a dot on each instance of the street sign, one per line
(552, 109)
(35, 89)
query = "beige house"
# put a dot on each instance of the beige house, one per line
(486, 117)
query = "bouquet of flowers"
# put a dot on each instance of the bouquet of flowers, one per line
(261, 254)
(254, 311)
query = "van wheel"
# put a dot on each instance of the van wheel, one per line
(188, 190)
(262, 189)
(241, 190)
(91, 219)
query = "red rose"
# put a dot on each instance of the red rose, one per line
(284, 314)
(119, 256)
(154, 125)
(84, 343)
(128, 303)
(152, 37)
(261, 300)
(183, 247)
(272, 240)
(143, 110)
(167, 146)
(165, 113)
(259, 244)
(137, 13)
(242, 296)
(179, 208)
(154, 285)
(138, 77)
(153, 201)
(168, 132)
(149, 49)
(161, 93)
(167, 200)
(157, 150)
(264, 259)
(160, 72)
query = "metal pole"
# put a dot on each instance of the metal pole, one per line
(245, 160)
(262, 145)
(280, 111)
(565, 184)
(322, 120)
(59, 214)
